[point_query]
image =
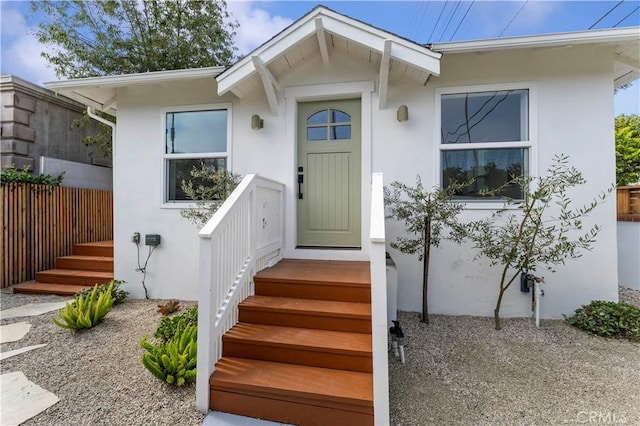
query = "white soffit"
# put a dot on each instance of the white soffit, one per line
(100, 92)
(625, 43)
(321, 32)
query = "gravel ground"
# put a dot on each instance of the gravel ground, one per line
(458, 371)
(461, 371)
(97, 374)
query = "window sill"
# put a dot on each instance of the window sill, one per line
(487, 205)
(178, 205)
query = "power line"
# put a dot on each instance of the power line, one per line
(438, 21)
(462, 20)
(606, 14)
(630, 13)
(450, 18)
(514, 17)
(420, 21)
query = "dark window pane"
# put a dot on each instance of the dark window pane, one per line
(485, 117)
(488, 168)
(179, 170)
(196, 131)
(318, 118)
(340, 132)
(316, 133)
(339, 117)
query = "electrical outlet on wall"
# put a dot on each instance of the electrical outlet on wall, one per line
(135, 238)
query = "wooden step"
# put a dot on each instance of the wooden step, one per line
(85, 263)
(74, 277)
(307, 313)
(292, 394)
(318, 348)
(32, 287)
(316, 279)
(98, 248)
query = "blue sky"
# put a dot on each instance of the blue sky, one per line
(423, 22)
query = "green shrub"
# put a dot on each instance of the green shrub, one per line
(169, 325)
(118, 294)
(11, 174)
(608, 319)
(173, 362)
(86, 311)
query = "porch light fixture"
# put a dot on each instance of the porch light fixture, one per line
(403, 113)
(257, 123)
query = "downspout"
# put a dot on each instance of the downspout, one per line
(96, 117)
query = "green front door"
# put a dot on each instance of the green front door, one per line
(329, 174)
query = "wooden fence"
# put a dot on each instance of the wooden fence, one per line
(40, 223)
(628, 198)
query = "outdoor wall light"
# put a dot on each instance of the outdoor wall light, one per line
(257, 123)
(403, 113)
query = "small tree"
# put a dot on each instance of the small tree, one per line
(209, 188)
(533, 237)
(426, 216)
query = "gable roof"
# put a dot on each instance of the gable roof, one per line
(625, 43)
(322, 32)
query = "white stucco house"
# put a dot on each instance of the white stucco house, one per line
(329, 101)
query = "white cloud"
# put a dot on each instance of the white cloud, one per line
(21, 50)
(256, 25)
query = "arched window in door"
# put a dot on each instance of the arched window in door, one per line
(328, 125)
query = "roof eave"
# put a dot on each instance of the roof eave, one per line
(614, 35)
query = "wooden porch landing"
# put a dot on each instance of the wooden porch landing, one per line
(301, 353)
(90, 264)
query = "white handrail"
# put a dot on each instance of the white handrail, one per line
(244, 236)
(379, 303)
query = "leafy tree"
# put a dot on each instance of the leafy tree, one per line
(426, 216)
(112, 37)
(543, 232)
(627, 149)
(109, 37)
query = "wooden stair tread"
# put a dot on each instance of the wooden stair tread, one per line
(33, 287)
(78, 273)
(275, 380)
(356, 344)
(87, 257)
(323, 272)
(308, 306)
(106, 243)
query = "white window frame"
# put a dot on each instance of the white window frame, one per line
(181, 204)
(530, 144)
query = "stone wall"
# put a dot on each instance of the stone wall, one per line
(37, 122)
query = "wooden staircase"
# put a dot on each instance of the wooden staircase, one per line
(301, 352)
(90, 264)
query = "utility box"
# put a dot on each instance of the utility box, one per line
(152, 239)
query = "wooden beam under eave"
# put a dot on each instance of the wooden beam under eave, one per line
(384, 75)
(268, 84)
(626, 60)
(109, 103)
(322, 41)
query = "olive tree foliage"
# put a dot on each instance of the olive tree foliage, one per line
(209, 189)
(627, 128)
(427, 215)
(112, 37)
(540, 231)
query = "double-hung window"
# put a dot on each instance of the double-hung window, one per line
(194, 137)
(485, 139)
